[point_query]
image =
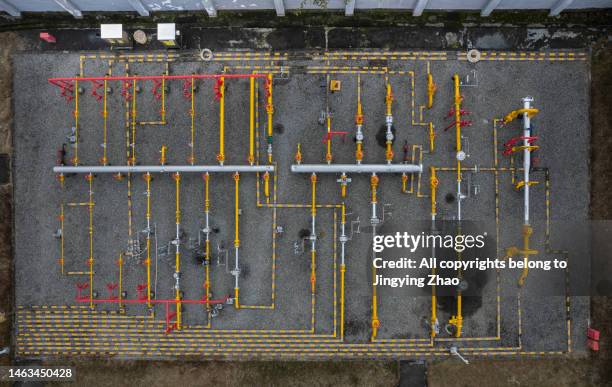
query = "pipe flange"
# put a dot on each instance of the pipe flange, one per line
(206, 54)
(473, 56)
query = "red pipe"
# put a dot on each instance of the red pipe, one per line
(144, 301)
(56, 81)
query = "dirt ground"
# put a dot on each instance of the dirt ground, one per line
(591, 371)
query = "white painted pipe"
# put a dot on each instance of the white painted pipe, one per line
(356, 168)
(526, 155)
(163, 168)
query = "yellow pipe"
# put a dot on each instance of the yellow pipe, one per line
(120, 263)
(373, 185)
(177, 263)
(104, 116)
(515, 113)
(313, 211)
(163, 100)
(147, 177)
(431, 89)
(342, 271)
(432, 138)
(207, 248)
(434, 184)
(61, 219)
(375, 321)
(389, 98)
(162, 151)
(457, 122)
(270, 110)
(237, 239)
(527, 231)
(459, 319)
(359, 121)
(75, 159)
(328, 154)
(404, 181)
(221, 155)
(192, 113)
(266, 177)
(91, 259)
(252, 122)
(133, 143)
(298, 154)
(389, 102)
(434, 308)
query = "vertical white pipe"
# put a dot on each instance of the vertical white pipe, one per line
(526, 155)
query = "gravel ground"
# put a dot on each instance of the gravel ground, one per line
(565, 372)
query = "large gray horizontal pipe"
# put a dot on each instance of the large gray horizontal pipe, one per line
(163, 168)
(356, 168)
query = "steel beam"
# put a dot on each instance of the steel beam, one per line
(163, 168)
(9, 8)
(559, 7)
(70, 8)
(349, 8)
(489, 7)
(139, 7)
(279, 5)
(356, 168)
(210, 8)
(419, 7)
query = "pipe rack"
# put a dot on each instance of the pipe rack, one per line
(164, 168)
